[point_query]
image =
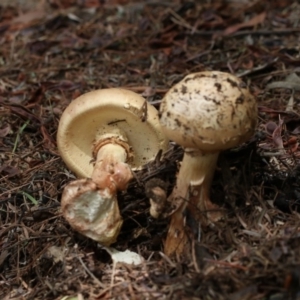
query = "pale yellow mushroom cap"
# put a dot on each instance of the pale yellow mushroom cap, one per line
(100, 112)
(210, 111)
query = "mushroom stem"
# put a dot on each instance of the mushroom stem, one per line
(90, 205)
(192, 190)
(111, 170)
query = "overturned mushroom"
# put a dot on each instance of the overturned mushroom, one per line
(119, 131)
(205, 113)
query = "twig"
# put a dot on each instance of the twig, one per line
(167, 259)
(143, 88)
(90, 273)
(219, 33)
(226, 264)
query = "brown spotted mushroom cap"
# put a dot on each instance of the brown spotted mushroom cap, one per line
(104, 112)
(211, 111)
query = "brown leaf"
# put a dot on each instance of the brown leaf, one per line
(296, 130)
(250, 23)
(3, 256)
(25, 20)
(294, 147)
(248, 65)
(63, 85)
(292, 144)
(40, 47)
(30, 16)
(270, 127)
(148, 92)
(9, 171)
(277, 139)
(292, 81)
(35, 97)
(24, 112)
(5, 131)
(90, 3)
(47, 139)
(62, 3)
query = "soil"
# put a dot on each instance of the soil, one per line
(53, 51)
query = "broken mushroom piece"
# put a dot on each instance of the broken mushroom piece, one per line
(120, 132)
(205, 113)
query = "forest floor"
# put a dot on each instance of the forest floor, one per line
(53, 51)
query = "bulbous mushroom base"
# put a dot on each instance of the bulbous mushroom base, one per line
(187, 221)
(190, 198)
(91, 211)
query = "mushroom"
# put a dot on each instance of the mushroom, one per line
(118, 131)
(205, 113)
(156, 191)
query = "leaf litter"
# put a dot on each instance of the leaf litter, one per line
(53, 51)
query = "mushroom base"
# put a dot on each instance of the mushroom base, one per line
(92, 212)
(191, 198)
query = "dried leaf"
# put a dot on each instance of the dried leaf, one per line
(296, 130)
(290, 104)
(25, 20)
(283, 84)
(277, 139)
(292, 144)
(40, 47)
(4, 254)
(5, 131)
(62, 85)
(270, 127)
(23, 112)
(9, 171)
(149, 92)
(47, 139)
(292, 81)
(252, 22)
